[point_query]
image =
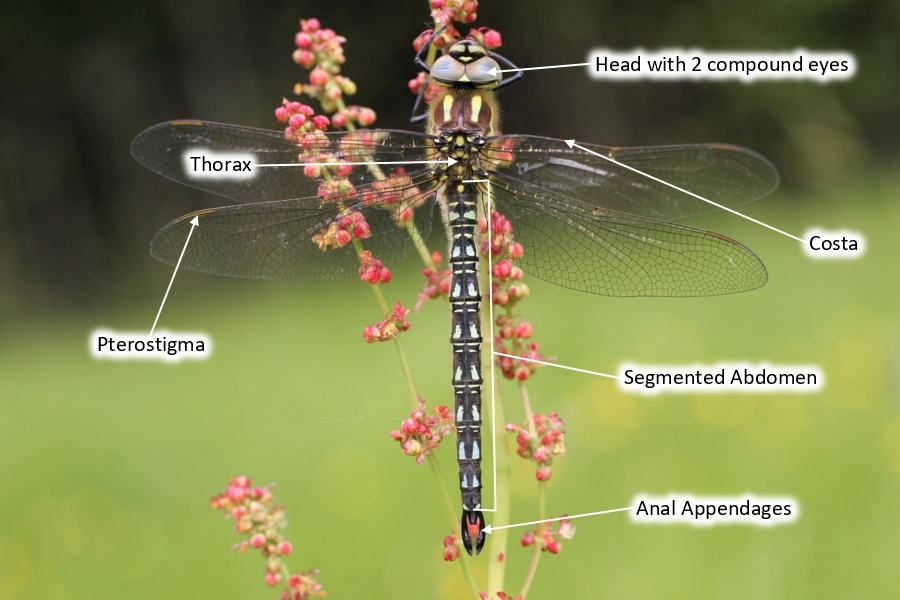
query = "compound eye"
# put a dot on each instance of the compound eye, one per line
(447, 69)
(477, 71)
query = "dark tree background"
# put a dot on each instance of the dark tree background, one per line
(78, 80)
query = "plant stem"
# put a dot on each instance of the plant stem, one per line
(497, 552)
(465, 559)
(404, 363)
(542, 496)
(536, 553)
(421, 248)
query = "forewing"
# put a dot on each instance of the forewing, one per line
(275, 239)
(600, 251)
(728, 175)
(162, 148)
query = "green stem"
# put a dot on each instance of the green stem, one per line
(536, 553)
(401, 353)
(465, 559)
(497, 552)
(419, 243)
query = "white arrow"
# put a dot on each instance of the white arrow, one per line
(448, 161)
(572, 144)
(495, 70)
(489, 529)
(195, 222)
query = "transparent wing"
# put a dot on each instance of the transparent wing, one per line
(282, 239)
(578, 246)
(162, 148)
(728, 175)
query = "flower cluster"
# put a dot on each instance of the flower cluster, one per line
(322, 51)
(542, 443)
(507, 289)
(373, 271)
(548, 539)
(256, 516)
(513, 338)
(393, 324)
(437, 281)
(451, 552)
(303, 586)
(421, 433)
(300, 118)
(339, 233)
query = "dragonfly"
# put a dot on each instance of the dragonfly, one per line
(586, 223)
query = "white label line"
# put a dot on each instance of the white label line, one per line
(195, 222)
(572, 144)
(448, 161)
(550, 364)
(489, 529)
(494, 71)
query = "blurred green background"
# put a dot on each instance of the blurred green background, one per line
(106, 468)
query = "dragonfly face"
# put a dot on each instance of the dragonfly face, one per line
(585, 223)
(466, 65)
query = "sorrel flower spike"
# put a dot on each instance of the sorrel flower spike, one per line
(258, 518)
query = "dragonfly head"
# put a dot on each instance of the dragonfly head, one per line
(466, 64)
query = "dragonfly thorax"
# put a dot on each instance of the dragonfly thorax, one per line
(461, 120)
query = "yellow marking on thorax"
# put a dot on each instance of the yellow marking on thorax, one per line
(476, 108)
(448, 107)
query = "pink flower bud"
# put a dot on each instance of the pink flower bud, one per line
(273, 578)
(540, 455)
(502, 270)
(516, 250)
(366, 116)
(342, 238)
(524, 330)
(492, 39)
(304, 58)
(236, 493)
(371, 334)
(385, 276)
(238, 511)
(310, 25)
(258, 540)
(302, 40)
(285, 548)
(321, 122)
(415, 85)
(522, 372)
(553, 547)
(339, 120)
(543, 474)
(451, 553)
(312, 171)
(343, 169)
(518, 291)
(296, 121)
(318, 77)
(527, 540)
